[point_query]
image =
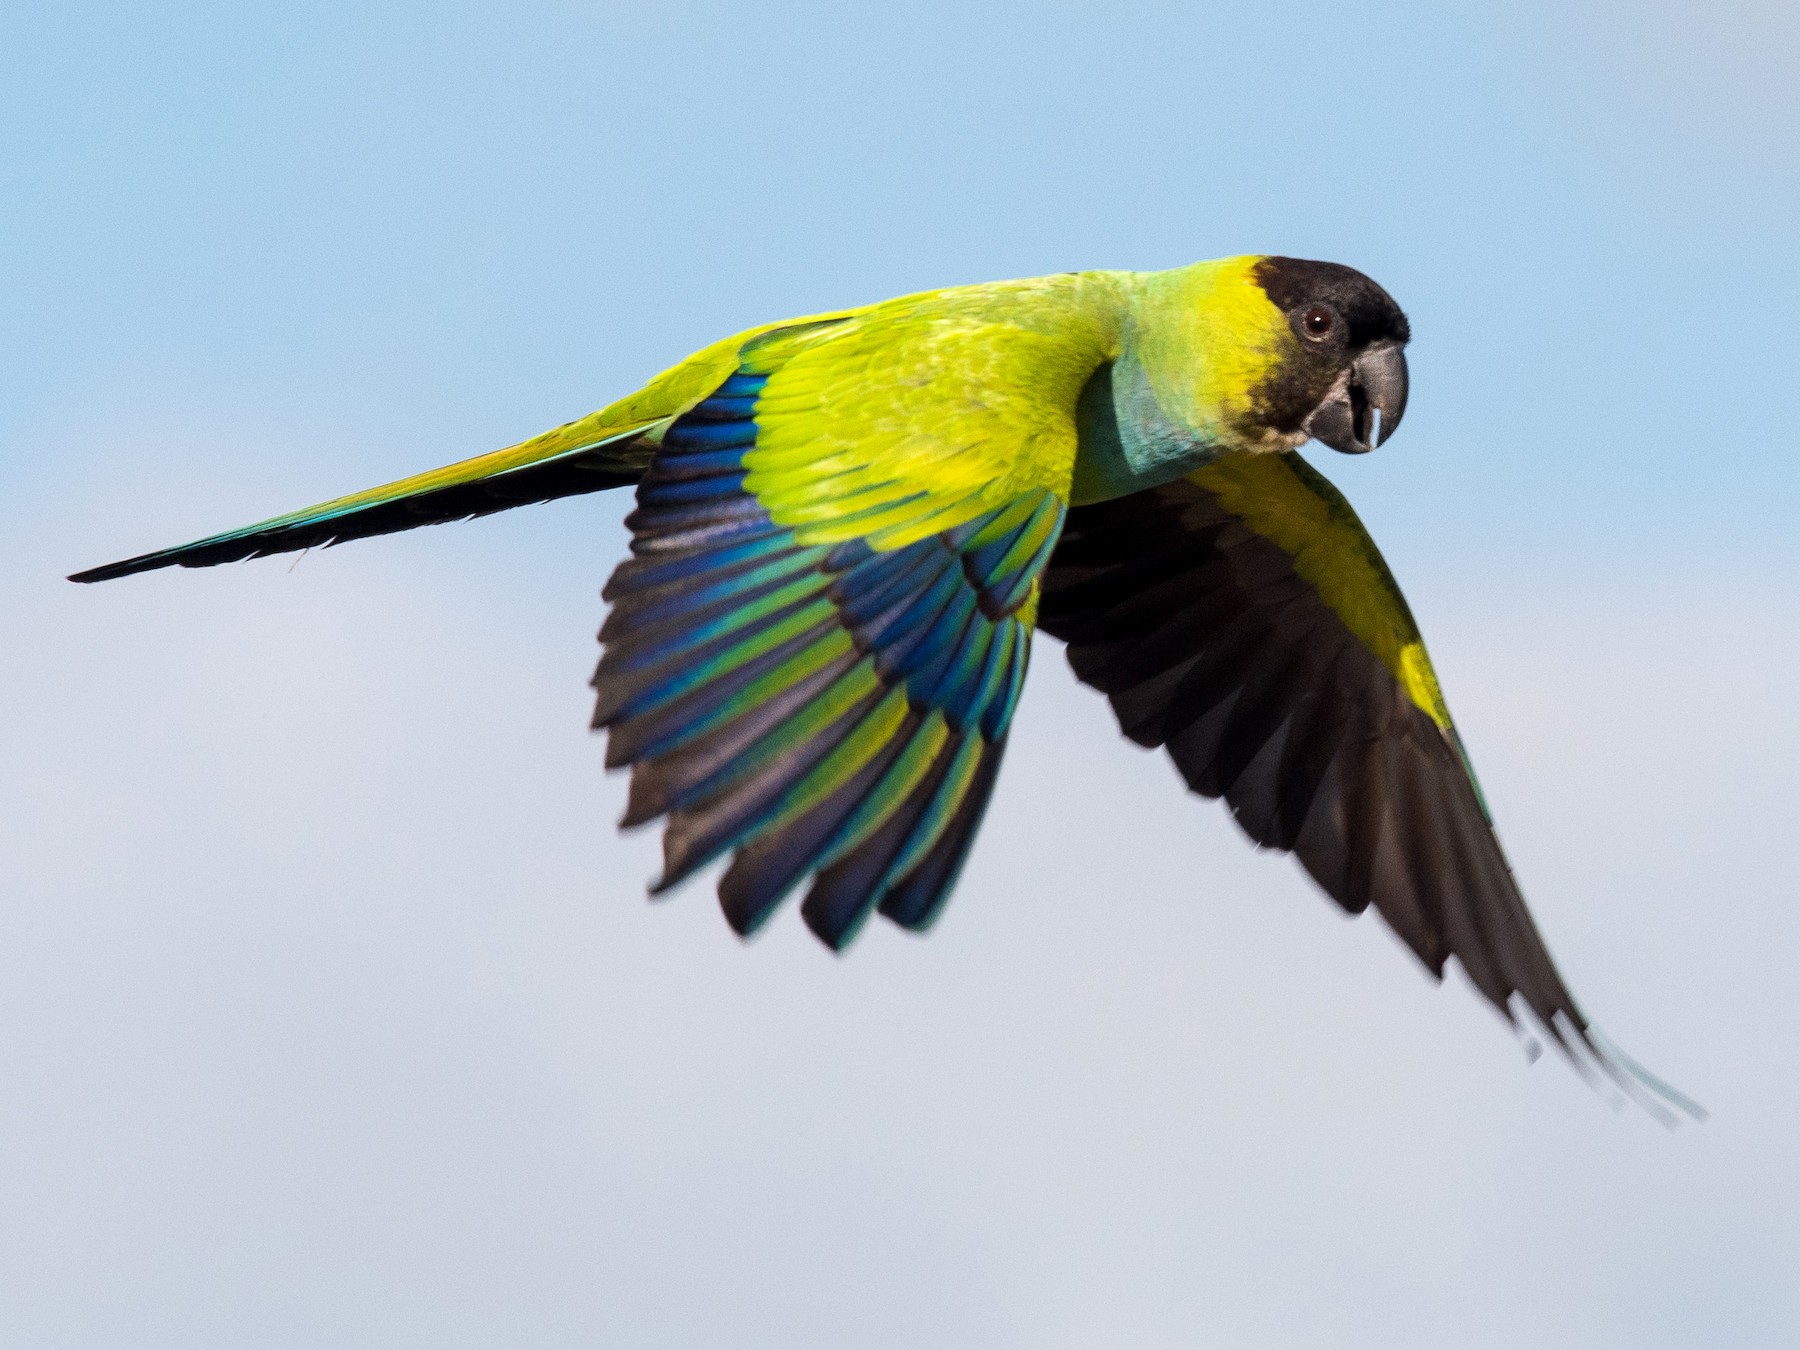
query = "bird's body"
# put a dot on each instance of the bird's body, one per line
(849, 525)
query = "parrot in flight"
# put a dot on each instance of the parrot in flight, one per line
(848, 526)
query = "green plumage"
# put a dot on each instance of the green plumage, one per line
(845, 527)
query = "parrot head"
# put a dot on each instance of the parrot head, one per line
(1257, 354)
(1339, 373)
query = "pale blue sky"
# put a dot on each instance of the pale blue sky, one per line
(330, 1010)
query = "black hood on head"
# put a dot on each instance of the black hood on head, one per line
(1370, 311)
(1344, 382)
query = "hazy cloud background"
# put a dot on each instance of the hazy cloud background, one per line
(330, 1009)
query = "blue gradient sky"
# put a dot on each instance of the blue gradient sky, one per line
(330, 1012)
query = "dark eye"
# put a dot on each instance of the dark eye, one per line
(1318, 322)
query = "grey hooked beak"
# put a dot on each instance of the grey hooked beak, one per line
(1365, 406)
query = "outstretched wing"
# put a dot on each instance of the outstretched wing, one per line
(1243, 618)
(813, 656)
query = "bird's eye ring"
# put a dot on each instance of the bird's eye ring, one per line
(1318, 323)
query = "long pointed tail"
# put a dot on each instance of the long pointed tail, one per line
(589, 455)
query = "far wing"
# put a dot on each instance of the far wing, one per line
(1242, 618)
(814, 654)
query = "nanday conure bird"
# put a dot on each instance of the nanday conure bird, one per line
(849, 525)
